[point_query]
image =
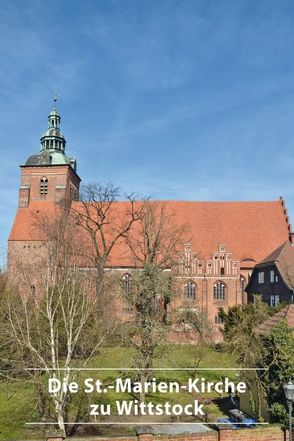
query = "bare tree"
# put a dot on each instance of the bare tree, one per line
(106, 222)
(158, 238)
(49, 321)
(155, 245)
(197, 325)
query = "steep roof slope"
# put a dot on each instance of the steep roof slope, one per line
(286, 313)
(249, 230)
(283, 257)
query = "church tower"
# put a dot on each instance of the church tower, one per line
(49, 175)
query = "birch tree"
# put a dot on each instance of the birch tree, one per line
(49, 320)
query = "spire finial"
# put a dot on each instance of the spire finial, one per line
(55, 98)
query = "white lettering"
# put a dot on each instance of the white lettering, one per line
(89, 388)
(123, 385)
(55, 386)
(94, 410)
(124, 407)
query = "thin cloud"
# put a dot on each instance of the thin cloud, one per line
(188, 99)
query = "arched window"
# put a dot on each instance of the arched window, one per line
(218, 320)
(242, 287)
(127, 284)
(190, 290)
(43, 185)
(219, 291)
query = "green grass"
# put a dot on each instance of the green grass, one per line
(17, 406)
(18, 403)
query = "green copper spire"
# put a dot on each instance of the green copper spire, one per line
(53, 139)
(52, 151)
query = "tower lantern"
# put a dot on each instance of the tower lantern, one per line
(49, 175)
(53, 139)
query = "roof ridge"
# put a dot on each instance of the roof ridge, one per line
(287, 219)
(274, 255)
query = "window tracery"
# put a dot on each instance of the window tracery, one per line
(43, 185)
(190, 290)
(219, 291)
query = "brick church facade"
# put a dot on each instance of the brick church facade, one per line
(227, 239)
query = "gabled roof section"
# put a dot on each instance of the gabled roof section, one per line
(286, 313)
(250, 230)
(274, 256)
(283, 258)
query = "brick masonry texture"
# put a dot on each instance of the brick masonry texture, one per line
(223, 434)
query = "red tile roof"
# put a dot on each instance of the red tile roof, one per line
(286, 313)
(249, 230)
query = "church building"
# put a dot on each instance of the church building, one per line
(227, 239)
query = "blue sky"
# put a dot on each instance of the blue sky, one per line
(178, 99)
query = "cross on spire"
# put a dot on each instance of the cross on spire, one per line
(55, 98)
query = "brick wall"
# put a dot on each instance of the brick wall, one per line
(223, 434)
(260, 434)
(61, 178)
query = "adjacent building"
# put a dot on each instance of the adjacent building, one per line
(273, 277)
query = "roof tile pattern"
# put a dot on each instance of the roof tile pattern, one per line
(249, 230)
(285, 314)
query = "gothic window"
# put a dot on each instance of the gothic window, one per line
(218, 320)
(127, 284)
(219, 291)
(43, 185)
(242, 287)
(190, 290)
